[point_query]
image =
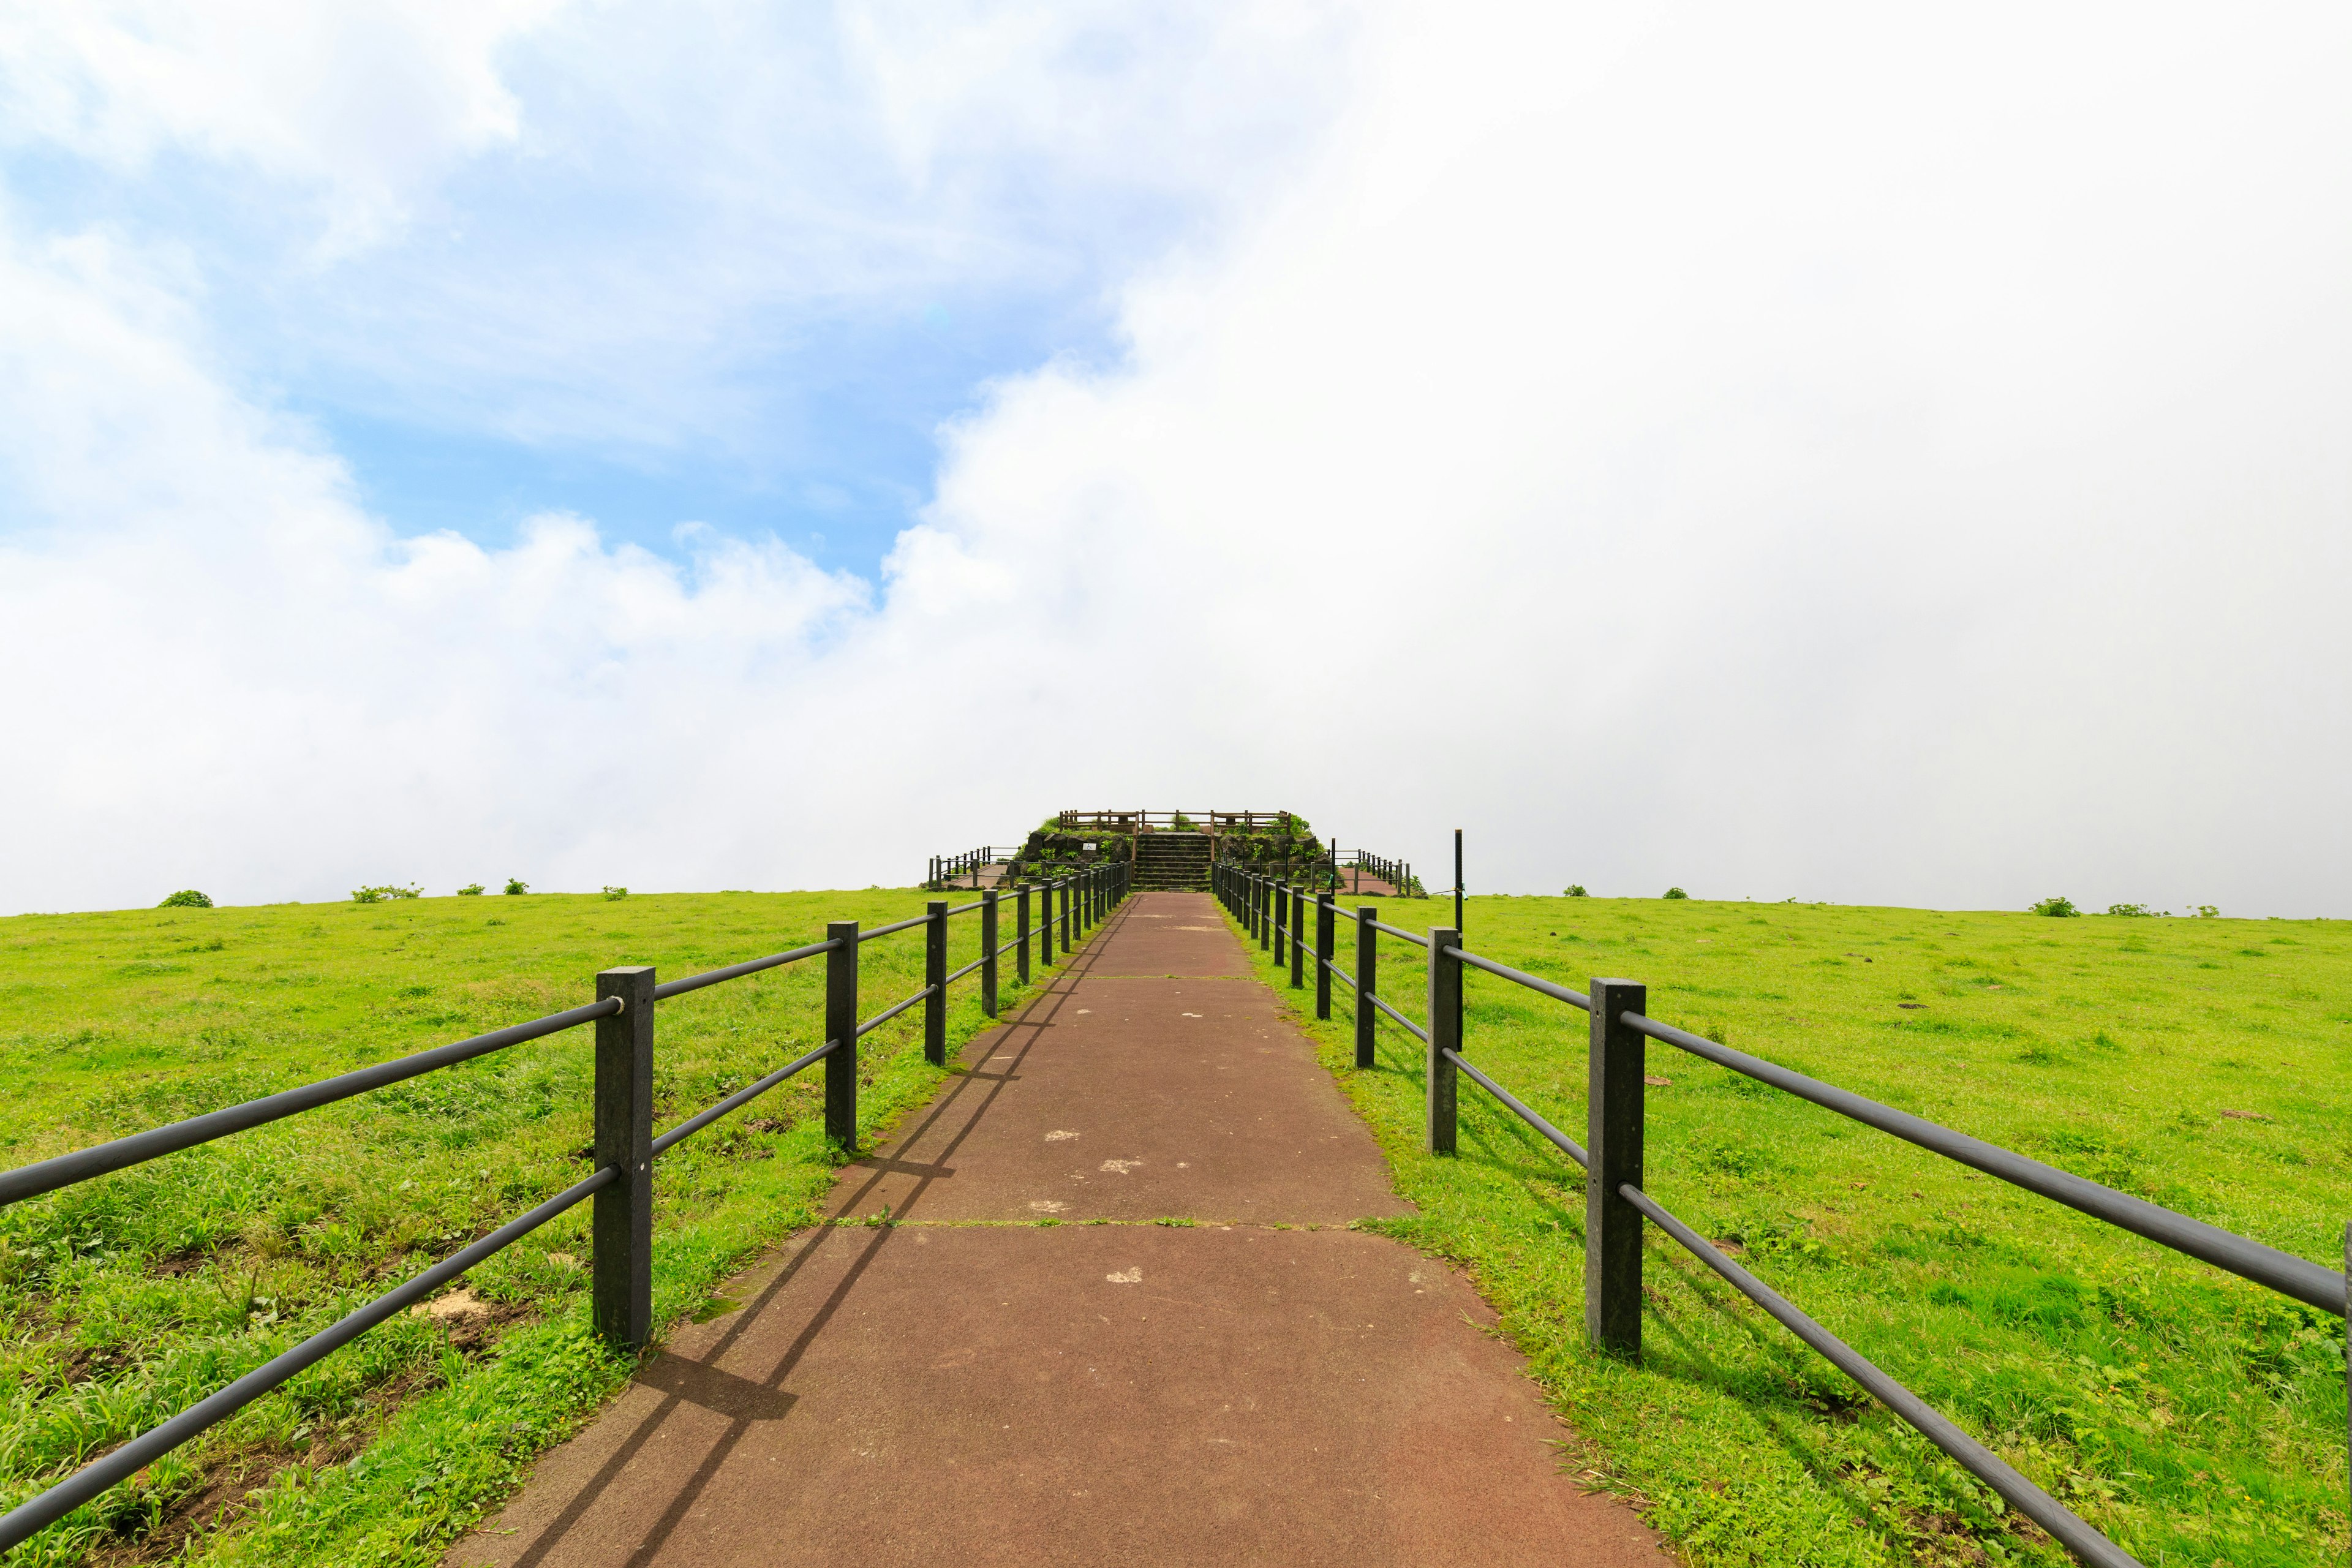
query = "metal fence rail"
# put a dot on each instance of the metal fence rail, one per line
(1616, 1206)
(620, 1238)
(947, 870)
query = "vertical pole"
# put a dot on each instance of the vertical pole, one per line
(1458, 879)
(621, 1222)
(1021, 947)
(935, 977)
(1264, 886)
(841, 1026)
(1045, 923)
(1368, 964)
(1458, 891)
(1323, 933)
(1298, 936)
(1444, 1035)
(988, 953)
(1612, 1228)
(1067, 930)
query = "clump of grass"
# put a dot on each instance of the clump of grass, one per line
(2057, 907)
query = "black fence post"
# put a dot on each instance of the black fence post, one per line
(1297, 936)
(1068, 930)
(935, 979)
(1368, 965)
(1021, 947)
(988, 953)
(1323, 933)
(1444, 1035)
(621, 1222)
(1612, 1228)
(841, 1027)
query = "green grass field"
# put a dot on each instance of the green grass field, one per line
(124, 1298)
(2196, 1418)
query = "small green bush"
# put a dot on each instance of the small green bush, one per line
(2207, 913)
(388, 890)
(517, 885)
(470, 890)
(612, 892)
(1676, 893)
(1575, 891)
(2129, 909)
(2058, 908)
(186, 899)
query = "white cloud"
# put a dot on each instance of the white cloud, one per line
(369, 103)
(1822, 452)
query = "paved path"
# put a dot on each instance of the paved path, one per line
(1259, 1386)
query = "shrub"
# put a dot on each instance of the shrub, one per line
(2057, 909)
(186, 899)
(612, 892)
(1676, 893)
(517, 885)
(388, 890)
(2207, 913)
(2129, 909)
(470, 890)
(1574, 890)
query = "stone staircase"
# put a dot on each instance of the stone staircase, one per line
(1171, 860)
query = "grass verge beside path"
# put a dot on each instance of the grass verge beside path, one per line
(125, 1298)
(2194, 1417)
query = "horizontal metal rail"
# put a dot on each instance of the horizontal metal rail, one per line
(1416, 941)
(890, 1012)
(1004, 947)
(741, 1096)
(65, 1169)
(1341, 975)
(1980, 1461)
(966, 909)
(1415, 1030)
(967, 968)
(1559, 1140)
(737, 971)
(40, 1512)
(893, 929)
(2283, 1271)
(1521, 976)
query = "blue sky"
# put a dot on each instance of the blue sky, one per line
(703, 264)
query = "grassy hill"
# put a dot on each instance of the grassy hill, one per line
(2197, 1418)
(2200, 1063)
(124, 1298)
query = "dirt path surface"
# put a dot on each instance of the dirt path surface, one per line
(1254, 1384)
